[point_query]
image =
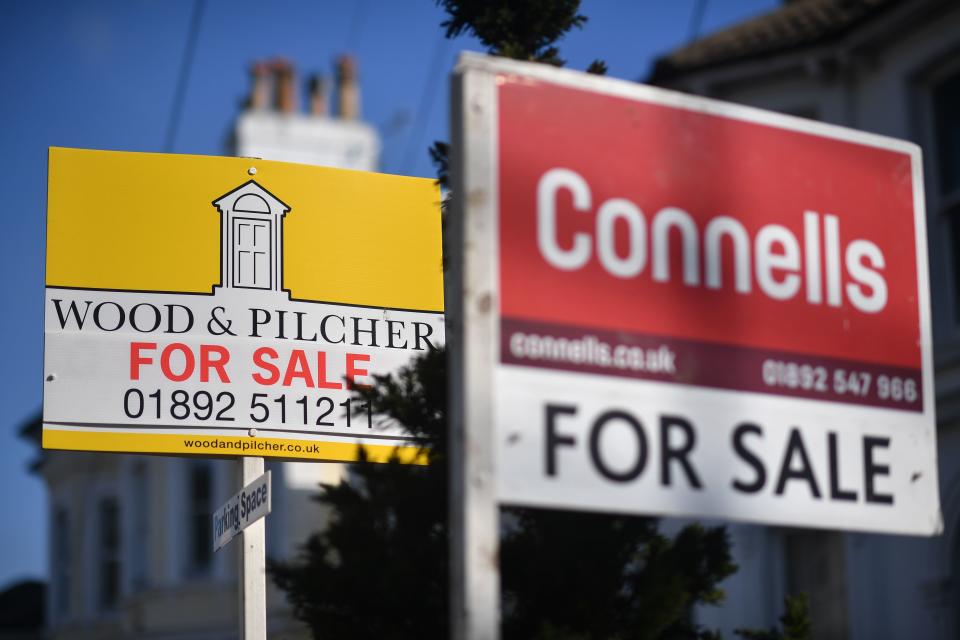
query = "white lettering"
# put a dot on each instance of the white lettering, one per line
(856, 252)
(551, 182)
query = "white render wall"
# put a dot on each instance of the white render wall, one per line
(896, 587)
(307, 139)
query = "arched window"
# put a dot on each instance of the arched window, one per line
(251, 203)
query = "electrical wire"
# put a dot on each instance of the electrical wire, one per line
(696, 19)
(184, 77)
(427, 98)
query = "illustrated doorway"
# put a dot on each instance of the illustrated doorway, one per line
(252, 253)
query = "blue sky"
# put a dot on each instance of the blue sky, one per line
(103, 74)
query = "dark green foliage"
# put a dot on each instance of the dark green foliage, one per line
(582, 575)
(598, 67)
(521, 30)
(440, 156)
(380, 568)
(795, 622)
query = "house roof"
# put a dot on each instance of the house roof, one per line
(795, 25)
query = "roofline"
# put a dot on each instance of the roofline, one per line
(889, 21)
(245, 184)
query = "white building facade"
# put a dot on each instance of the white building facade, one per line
(890, 67)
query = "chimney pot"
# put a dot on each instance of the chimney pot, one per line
(348, 89)
(286, 96)
(260, 94)
(319, 100)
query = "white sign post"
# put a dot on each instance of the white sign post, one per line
(670, 305)
(245, 514)
(253, 589)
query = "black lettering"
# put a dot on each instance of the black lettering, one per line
(121, 316)
(72, 311)
(750, 458)
(419, 339)
(680, 454)
(805, 472)
(595, 431)
(323, 330)
(300, 315)
(171, 315)
(871, 470)
(372, 331)
(156, 317)
(836, 493)
(553, 438)
(261, 313)
(391, 334)
(280, 316)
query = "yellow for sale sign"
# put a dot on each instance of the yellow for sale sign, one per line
(229, 306)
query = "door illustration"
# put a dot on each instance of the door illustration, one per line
(252, 253)
(251, 238)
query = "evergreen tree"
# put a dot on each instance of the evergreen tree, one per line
(380, 569)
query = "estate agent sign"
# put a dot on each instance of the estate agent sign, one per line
(673, 305)
(222, 306)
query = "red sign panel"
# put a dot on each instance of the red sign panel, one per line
(654, 242)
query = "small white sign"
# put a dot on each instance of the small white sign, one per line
(240, 511)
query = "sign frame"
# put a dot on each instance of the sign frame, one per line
(473, 307)
(182, 355)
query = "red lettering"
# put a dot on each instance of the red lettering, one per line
(322, 382)
(207, 362)
(297, 367)
(353, 371)
(259, 360)
(188, 361)
(136, 359)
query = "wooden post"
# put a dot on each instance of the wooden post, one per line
(473, 337)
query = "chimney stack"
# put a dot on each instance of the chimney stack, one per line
(262, 85)
(275, 89)
(286, 88)
(348, 89)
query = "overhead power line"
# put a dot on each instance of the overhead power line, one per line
(427, 98)
(696, 19)
(183, 79)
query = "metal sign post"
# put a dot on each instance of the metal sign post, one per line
(253, 587)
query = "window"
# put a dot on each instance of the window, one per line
(108, 553)
(61, 568)
(946, 122)
(814, 566)
(139, 551)
(200, 501)
(945, 98)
